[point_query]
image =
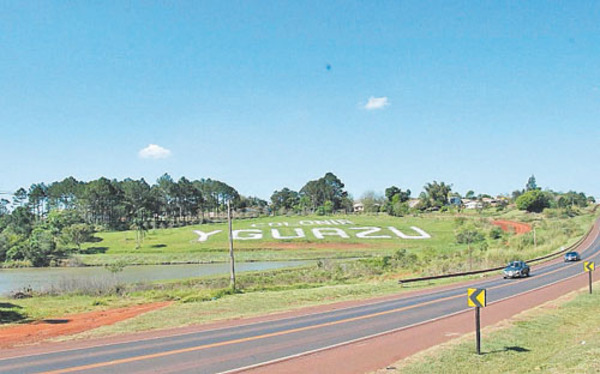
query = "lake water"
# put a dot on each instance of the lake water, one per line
(43, 279)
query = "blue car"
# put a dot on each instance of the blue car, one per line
(572, 256)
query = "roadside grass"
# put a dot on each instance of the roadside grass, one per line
(256, 303)
(44, 307)
(562, 336)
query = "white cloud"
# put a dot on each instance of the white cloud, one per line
(377, 103)
(154, 151)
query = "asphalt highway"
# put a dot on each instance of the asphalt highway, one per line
(234, 348)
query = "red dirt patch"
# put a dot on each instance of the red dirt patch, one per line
(517, 227)
(49, 328)
(316, 245)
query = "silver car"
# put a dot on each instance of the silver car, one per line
(516, 269)
(572, 256)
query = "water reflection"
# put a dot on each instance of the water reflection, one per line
(45, 279)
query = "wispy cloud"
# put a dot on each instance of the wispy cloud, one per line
(377, 103)
(154, 152)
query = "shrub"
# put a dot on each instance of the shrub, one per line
(533, 201)
(496, 233)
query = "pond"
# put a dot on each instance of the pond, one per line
(45, 279)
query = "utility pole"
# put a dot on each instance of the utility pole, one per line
(231, 258)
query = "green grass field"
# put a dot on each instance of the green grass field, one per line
(181, 245)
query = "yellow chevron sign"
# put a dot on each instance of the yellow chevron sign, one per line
(588, 266)
(476, 297)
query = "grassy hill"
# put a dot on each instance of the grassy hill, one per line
(340, 237)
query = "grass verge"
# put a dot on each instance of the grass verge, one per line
(562, 336)
(256, 303)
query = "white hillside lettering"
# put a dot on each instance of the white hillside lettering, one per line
(320, 233)
(400, 234)
(277, 235)
(252, 234)
(203, 236)
(366, 231)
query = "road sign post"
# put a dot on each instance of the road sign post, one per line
(478, 329)
(476, 297)
(588, 266)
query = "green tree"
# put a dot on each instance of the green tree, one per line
(468, 236)
(77, 234)
(496, 233)
(139, 224)
(21, 221)
(4, 208)
(328, 188)
(57, 220)
(284, 200)
(64, 195)
(42, 249)
(327, 208)
(572, 198)
(390, 192)
(396, 198)
(166, 188)
(37, 198)
(4, 247)
(437, 194)
(399, 208)
(188, 198)
(19, 198)
(531, 184)
(533, 201)
(101, 200)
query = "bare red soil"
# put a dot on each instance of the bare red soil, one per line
(517, 227)
(36, 332)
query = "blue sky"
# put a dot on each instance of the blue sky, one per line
(264, 95)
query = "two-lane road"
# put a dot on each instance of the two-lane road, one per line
(246, 345)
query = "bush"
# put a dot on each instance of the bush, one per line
(468, 236)
(533, 201)
(496, 233)
(41, 249)
(459, 221)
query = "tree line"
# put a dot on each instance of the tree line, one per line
(44, 223)
(439, 196)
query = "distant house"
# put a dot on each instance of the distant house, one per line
(472, 204)
(490, 201)
(413, 203)
(371, 208)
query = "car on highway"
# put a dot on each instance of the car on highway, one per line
(572, 256)
(516, 269)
